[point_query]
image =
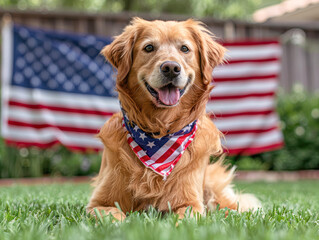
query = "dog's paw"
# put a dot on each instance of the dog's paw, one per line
(116, 213)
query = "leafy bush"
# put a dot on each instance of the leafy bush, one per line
(35, 162)
(299, 114)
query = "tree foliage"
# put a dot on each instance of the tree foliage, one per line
(241, 9)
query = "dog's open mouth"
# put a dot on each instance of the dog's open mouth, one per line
(168, 95)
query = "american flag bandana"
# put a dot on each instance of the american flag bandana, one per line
(159, 154)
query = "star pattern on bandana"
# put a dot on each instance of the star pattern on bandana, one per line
(142, 135)
(150, 144)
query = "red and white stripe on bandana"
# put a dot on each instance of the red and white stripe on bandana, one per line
(159, 154)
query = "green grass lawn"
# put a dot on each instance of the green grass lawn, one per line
(58, 212)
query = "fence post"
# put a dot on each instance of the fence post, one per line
(229, 31)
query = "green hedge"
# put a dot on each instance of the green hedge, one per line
(299, 114)
(34, 162)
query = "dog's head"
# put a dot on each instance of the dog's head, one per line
(160, 62)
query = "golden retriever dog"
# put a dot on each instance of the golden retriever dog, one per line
(164, 82)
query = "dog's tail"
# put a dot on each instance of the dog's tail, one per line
(219, 191)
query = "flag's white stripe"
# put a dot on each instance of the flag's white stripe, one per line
(133, 143)
(247, 69)
(242, 87)
(246, 122)
(175, 153)
(253, 52)
(240, 105)
(150, 162)
(141, 153)
(166, 170)
(61, 99)
(47, 135)
(253, 140)
(56, 118)
(7, 55)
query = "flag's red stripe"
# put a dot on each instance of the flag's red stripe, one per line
(249, 43)
(254, 150)
(190, 140)
(164, 166)
(262, 60)
(30, 144)
(137, 149)
(58, 109)
(238, 114)
(46, 125)
(243, 131)
(41, 145)
(169, 171)
(144, 158)
(171, 150)
(232, 97)
(129, 140)
(246, 78)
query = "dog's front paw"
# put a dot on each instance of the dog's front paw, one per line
(116, 213)
(188, 212)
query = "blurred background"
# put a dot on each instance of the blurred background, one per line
(294, 23)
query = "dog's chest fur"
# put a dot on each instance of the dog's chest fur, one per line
(144, 187)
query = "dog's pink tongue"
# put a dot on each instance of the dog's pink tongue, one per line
(168, 95)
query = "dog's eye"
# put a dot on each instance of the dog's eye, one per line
(149, 48)
(184, 49)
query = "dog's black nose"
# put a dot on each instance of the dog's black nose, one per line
(170, 69)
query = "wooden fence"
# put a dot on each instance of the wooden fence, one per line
(300, 41)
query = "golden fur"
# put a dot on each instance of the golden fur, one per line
(193, 182)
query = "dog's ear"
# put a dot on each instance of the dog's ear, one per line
(211, 53)
(120, 52)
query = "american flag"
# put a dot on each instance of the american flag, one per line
(243, 101)
(56, 88)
